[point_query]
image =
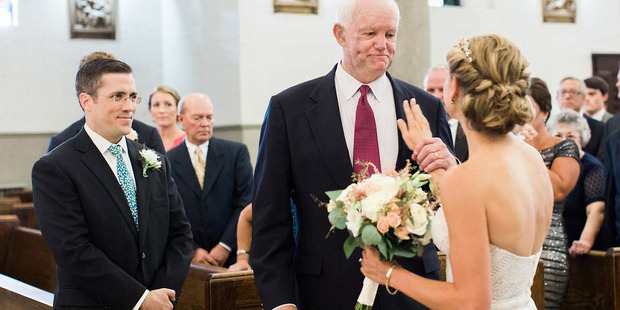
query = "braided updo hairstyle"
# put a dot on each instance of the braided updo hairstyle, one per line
(491, 73)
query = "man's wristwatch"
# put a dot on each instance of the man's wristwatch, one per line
(242, 252)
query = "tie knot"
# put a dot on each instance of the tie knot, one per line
(198, 152)
(364, 90)
(115, 149)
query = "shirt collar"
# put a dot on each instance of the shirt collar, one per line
(599, 115)
(349, 85)
(191, 148)
(102, 143)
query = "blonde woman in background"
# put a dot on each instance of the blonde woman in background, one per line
(163, 103)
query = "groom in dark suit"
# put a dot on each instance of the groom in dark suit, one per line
(109, 209)
(307, 146)
(215, 182)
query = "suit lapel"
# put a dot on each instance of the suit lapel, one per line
(213, 165)
(94, 161)
(404, 152)
(460, 144)
(326, 126)
(185, 170)
(143, 191)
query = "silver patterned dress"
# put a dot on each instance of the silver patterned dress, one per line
(555, 248)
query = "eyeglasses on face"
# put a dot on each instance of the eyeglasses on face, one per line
(122, 98)
(570, 92)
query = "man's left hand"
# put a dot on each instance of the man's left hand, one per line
(220, 254)
(432, 154)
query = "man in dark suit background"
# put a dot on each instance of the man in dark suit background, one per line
(570, 96)
(147, 135)
(611, 161)
(434, 79)
(214, 177)
(307, 146)
(109, 209)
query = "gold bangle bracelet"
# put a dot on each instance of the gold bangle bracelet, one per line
(387, 280)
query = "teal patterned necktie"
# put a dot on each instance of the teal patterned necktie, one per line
(126, 182)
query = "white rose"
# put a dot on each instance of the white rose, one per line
(371, 206)
(354, 222)
(149, 155)
(417, 222)
(388, 188)
(419, 195)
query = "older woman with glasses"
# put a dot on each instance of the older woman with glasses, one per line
(585, 204)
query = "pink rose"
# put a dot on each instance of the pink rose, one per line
(382, 225)
(395, 209)
(402, 233)
(393, 219)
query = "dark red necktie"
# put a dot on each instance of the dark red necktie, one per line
(365, 144)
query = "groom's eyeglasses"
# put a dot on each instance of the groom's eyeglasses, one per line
(121, 98)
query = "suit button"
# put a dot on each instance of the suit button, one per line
(143, 255)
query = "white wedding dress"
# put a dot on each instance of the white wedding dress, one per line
(511, 275)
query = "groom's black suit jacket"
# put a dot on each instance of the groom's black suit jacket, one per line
(302, 154)
(103, 261)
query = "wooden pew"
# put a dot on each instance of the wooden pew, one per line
(232, 290)
(538, 287)
(25, 255)
(194, 291)
(237, 290)
(17, 295)
(6, 204)
(24, 195)
(26, 215)
(594, 281)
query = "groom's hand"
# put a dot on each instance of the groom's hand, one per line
(158, 299)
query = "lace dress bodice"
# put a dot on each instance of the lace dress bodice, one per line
(511, 275)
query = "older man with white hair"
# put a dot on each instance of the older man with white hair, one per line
(312, 136)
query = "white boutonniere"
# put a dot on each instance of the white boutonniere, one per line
(132, 135)
(150, 160)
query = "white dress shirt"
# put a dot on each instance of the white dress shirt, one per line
(599, 115)
(102, 145)
(454, 124)
(381, 100)
(191, 149)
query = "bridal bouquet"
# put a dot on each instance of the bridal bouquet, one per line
(390, 211)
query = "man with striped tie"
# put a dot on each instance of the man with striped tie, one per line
(108, 208)
(214, 177)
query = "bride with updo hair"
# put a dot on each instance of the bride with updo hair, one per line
(492, 224)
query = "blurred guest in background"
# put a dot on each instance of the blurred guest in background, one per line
(585, 204)
(433, 84)
(163, 104)
(562, 159)
(571, 96)
(597, 92)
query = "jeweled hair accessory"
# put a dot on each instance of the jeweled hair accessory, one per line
(464, 42)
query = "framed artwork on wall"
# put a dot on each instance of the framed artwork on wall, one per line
(296, 6)
(561, 11)
(93, 19)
